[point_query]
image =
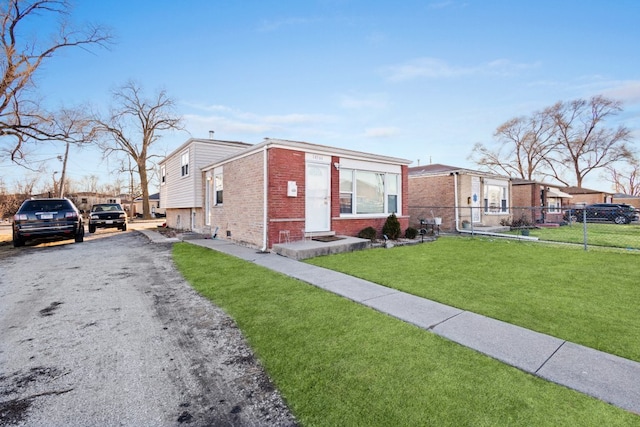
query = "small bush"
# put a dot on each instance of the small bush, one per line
(523, 221)
(410, 233)
(391, 227)
(368, 233)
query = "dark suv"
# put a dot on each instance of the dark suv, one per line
(619, 213)
(107, 215)
(45, 218)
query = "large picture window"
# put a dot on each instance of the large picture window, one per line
(368, 192)
(496, 195)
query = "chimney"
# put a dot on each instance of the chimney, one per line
(211, 132)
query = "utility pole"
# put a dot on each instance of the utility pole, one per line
(64, 170)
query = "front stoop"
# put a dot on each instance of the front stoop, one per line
(309, 248)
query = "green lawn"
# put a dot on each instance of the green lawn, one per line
(338, 363)
(612, 235)
(587, 297)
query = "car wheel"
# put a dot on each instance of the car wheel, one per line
(17, 241)
(92, 228)
(620, 219)
(124, 227)
(80, 235)
(573, 218)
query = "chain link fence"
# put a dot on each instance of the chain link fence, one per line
(592, 227)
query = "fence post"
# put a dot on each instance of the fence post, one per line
(584, 227)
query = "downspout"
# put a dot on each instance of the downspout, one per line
(456, 210)
(265, 189)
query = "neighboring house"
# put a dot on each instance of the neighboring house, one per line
(85, 200)
(627, 199)
(585, 196)
(458, 196)
(538, 202)
(181, 183)
(154, 206)
(282, 190)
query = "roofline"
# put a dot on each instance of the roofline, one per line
(454, 171)
(191, 141)
(309, 148)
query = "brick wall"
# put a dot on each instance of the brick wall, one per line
(432, 194)
(240, 217)
(286, 213)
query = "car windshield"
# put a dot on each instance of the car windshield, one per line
(45, 205)
(106, 208)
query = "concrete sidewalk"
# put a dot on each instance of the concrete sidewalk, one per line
(607, 377)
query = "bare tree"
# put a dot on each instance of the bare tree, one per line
(23, 53)
(524, 145)
(133, 126)
(564, 142)
(585, 144)
(626, 180)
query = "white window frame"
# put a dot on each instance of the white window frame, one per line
(218, 186)
(386, 177)
(503, 205)
(184, 163)
(163, 175)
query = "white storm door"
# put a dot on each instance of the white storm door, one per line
(317, 197)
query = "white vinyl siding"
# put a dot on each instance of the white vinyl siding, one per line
(188, 191)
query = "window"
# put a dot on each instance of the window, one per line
(368, 192)
(554, 205)
(496, 197)
(346, 191)
(184, 162)
(163, 175)
(392, 193)
(217, 186)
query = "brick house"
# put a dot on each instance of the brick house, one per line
(538, 202)
(586, 196)
(458, 196)
(282, 189)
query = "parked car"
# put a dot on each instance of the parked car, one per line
(107, 215)
(47, 218)
(619, 213)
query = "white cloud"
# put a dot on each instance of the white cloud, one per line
(381, 132)
(433, 68)
(368, 101)
(625, 91)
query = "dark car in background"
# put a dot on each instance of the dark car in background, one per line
(47, 218)
(107, 215)
(619, 213)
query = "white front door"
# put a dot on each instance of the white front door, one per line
(317, 197)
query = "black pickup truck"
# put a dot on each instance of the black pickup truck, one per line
(107, 215)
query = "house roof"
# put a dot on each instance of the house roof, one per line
(154, 196)
(191, 141)
(578, 190)
(440, 169)
(311, 148)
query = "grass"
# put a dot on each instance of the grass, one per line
(612, 235)
(338, 363)
(587, 297)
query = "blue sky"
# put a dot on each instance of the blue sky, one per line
(420, 80)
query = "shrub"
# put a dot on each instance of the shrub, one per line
(368, 233)
(391, 227)
(523, 221)
(410, 233)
